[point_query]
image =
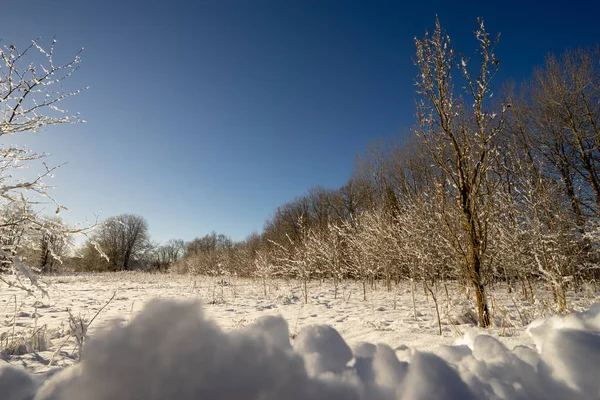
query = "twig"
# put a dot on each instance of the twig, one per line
(131, 311)
(79, 328)
(102, 308)
(58, 350)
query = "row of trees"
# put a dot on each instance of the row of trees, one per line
(123, 243)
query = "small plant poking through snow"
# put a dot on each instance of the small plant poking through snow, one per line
(79, 327)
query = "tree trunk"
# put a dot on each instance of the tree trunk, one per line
(482, 307)
(474, 267)
(570, 191)
(560, 297)
(476, 281)
(305, 291)
(335, 287)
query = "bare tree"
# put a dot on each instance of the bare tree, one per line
(264, 267)
(460, 136)
(329, 247)
(564, 109)
(124, 240)
(53, 246)
(210, 243)
(297, 258)
(169, 253)
(175, 248)
(350, 199)
(31, 93)
(28, 103)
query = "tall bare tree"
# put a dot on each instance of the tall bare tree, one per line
(124, 239)
(459, 133)
(564, 109)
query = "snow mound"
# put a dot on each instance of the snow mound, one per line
(171, 351)
(15, 384)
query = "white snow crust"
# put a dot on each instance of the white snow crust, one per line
(172, 351)
(229, 340)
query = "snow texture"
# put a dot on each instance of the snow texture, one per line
(171, 351)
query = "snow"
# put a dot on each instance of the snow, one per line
(246, 345)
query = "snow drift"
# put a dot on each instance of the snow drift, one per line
(170, 351)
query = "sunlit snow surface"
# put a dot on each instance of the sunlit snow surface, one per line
(175, 350)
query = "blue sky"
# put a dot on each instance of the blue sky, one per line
(207, 115)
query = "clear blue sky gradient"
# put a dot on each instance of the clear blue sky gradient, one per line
(207, 115)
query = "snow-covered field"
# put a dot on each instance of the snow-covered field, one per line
(233, 346)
